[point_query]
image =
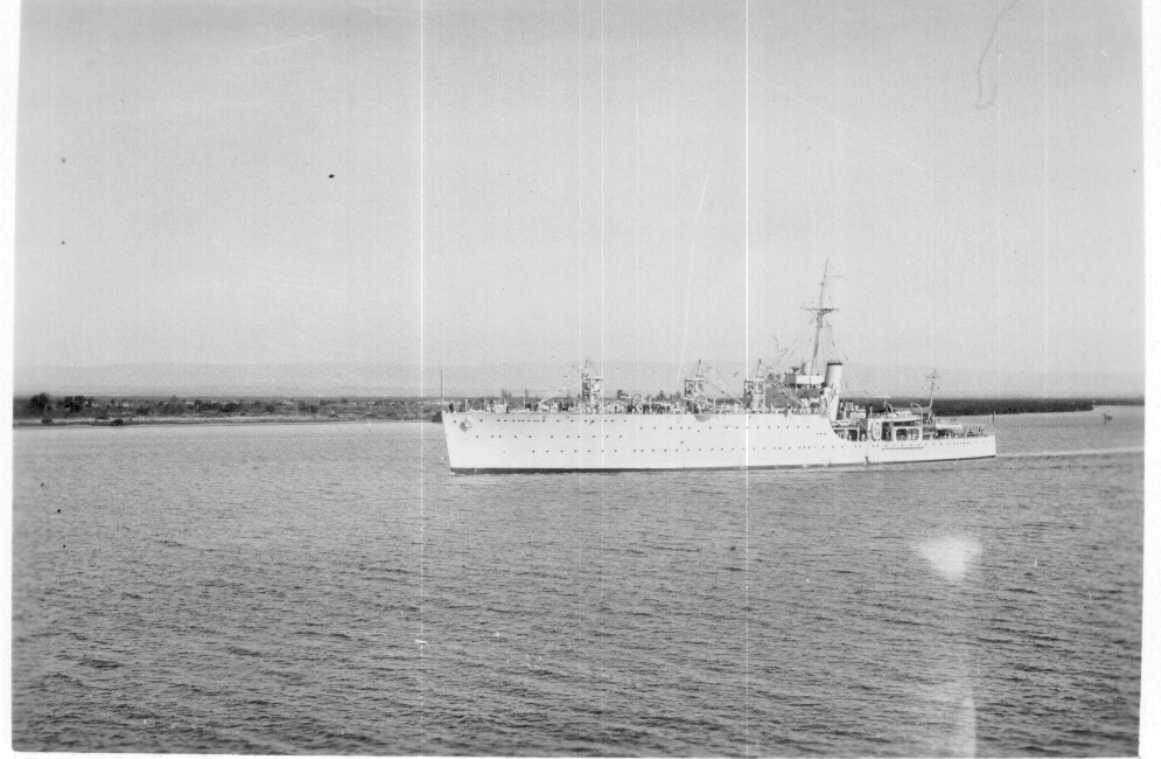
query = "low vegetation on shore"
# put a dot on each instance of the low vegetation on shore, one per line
(43, 408)
(1014, 405)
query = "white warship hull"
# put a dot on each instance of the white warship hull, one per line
(482, 442)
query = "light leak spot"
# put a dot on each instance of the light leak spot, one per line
(951, 556)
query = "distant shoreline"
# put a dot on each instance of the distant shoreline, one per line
(227, 421)
(44, 411)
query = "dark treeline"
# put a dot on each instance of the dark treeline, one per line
(1015, 405)
(49, 409)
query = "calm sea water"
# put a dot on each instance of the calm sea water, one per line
(333, 588)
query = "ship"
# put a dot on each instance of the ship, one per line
(793, 418)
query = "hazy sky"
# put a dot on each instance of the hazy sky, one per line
(244, 182)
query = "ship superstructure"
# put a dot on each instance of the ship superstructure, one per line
(792, 418)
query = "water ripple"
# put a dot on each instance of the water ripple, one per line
(326, 603)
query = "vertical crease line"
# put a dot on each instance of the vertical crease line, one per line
(997, 199)
(746, 353)
(672, 321)
(579, 180)
(637, 195)
(601, 317)
(422, 538)
(603, 137)
(1046, 125)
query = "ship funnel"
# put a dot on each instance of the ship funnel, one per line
(834, 374)
(832, 386)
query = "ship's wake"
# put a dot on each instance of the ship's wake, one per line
(1077, 452)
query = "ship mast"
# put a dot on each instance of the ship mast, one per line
(821, 311)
